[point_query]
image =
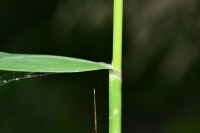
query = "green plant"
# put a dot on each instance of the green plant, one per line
(59, 64)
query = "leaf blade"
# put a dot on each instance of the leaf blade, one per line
(47, 63)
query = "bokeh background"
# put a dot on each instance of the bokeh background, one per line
(161, 65)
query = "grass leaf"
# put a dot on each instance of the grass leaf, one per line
(47, 63)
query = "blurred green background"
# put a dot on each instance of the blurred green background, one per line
(161, 65)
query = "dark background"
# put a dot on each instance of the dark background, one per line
(161, 65)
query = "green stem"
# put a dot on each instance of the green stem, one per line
(117, 34)
(114, 103)
(115, 96)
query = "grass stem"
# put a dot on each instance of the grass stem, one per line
(115, 80)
